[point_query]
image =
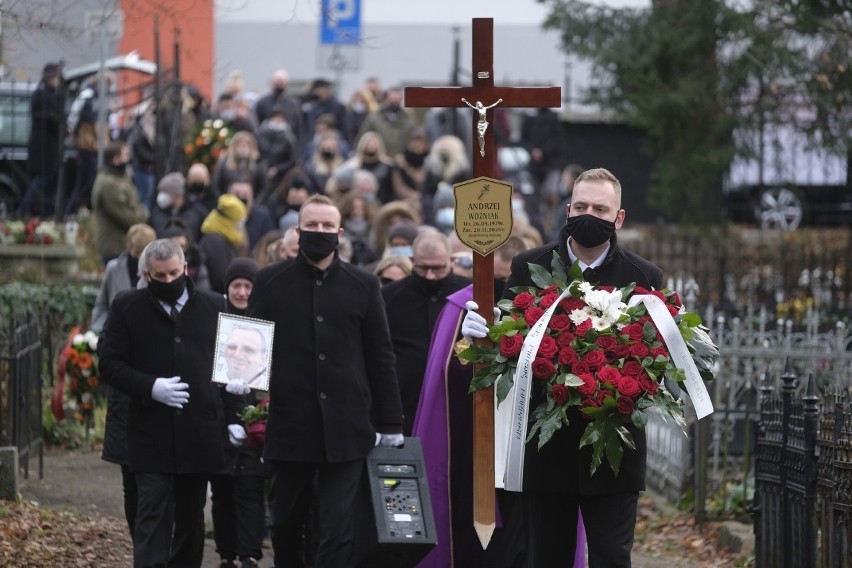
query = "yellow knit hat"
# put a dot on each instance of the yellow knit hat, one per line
(225, 220)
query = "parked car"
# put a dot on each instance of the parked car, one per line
(794, 184)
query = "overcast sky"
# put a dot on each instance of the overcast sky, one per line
(388, 11)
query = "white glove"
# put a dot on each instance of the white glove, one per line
(237, 386)
(170, 392)
(378, 439)
(236, 434)
(392, 440)
(474, 325)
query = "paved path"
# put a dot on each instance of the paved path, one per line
(81, 481)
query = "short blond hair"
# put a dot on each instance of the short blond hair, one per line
(601, 174)
(137, 238)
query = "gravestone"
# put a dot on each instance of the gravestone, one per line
(9, 473)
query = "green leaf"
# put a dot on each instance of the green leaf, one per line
(614, 451)
(575, 273)
(541, 277)
(557, 269)
(482, 380)
(551, 422)
(477, 354)
(639, 418)
(504, 384)
(570, 380)
(691, 319)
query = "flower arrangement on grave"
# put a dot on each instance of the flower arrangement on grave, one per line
(79, 360)
(207, 142)
(254, 420)
(31, 232)
(599, 350)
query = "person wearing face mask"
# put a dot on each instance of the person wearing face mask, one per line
(277, 145)
(258, 218)
(333, 389)
(357, 213)
(115, 202)
(409, 170)
(172, 203)
(278, 99)
(223, 238)
(361, 104)
(158, 347)
(198, 187)
(412, 305)
(370, 156)
(241, 161)
(391, 122)
(556, 478)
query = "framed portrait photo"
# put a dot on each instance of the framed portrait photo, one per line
(243, 351)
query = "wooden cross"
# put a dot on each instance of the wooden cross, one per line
(482, 97)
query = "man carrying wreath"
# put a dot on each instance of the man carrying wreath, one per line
(557, 479)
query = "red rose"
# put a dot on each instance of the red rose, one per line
(532, 315)
(565, 338)
(560, 394)
(583, 327)
(674, 299)
(639, 290)
(621, 351)
(628, 386)
(510, 346)
(633, 331)
(560, 322)
(658, 294)
(603, 393)
(632, 369)
(567, 356)
(548, 300)
(625, 405)
(552, 289)
(589, 386)
(580, 367)
(523, 300)
(548, 347)
(607, 342)
(589, 403)
(571, 304)
(639, 350)
(595, 359)
(672, 310)
(542, 368)
(606, 288)
(645, 319)
(653, 387)
(659, 350)
(609, 375)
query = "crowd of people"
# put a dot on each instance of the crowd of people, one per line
(334, 222)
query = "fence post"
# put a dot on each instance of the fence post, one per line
(787, 391)
(811, 402)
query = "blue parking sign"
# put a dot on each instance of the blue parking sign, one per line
(341, 22)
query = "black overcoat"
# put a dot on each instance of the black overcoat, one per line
(141, 343)
(46, 130)
(332, 361)
(561, 466)
(412, 313)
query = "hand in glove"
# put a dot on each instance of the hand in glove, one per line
(392, 440)
(237, 386)
(474, 325)
(170, 392)
(236, 434)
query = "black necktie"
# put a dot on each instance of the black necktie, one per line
(589, 275)
(173, 311)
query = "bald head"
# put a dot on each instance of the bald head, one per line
(280, 79)
(198, 173)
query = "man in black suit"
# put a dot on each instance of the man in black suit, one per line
(332, 386)
(556, 478)
(413, 305)
(158, 347)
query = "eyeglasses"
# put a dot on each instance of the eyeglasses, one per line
(424, 269)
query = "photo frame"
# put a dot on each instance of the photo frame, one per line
(243, 351)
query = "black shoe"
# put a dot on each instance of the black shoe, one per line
(227, 564)
(249, 563)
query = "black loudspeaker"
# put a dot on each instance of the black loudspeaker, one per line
(398, 528)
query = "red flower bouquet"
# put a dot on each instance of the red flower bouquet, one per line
(78, 361)
(254, 419)
(600, 351)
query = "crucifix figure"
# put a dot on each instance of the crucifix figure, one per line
(483, 89)
(482, 124)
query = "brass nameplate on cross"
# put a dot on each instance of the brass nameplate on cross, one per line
(483, 217)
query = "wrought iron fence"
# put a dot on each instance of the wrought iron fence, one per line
(21, 389)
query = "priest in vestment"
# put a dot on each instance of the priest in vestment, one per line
(444, 423)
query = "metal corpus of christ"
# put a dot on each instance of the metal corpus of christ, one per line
(482, 97)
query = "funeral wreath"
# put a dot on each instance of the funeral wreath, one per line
(600, 351)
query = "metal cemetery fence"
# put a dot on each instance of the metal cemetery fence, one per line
(21, 389)
(803, 474)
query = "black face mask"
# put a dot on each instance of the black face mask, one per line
(590, 231)
(325, 155)
(316, 245)
(416, 159)
(168, 291)
(278, 91)
(430, 287)
(196, 188)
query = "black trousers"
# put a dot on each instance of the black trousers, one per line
(290, 499)
(239, 516)
(128, 483)
(551, 522)
(169, 520)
